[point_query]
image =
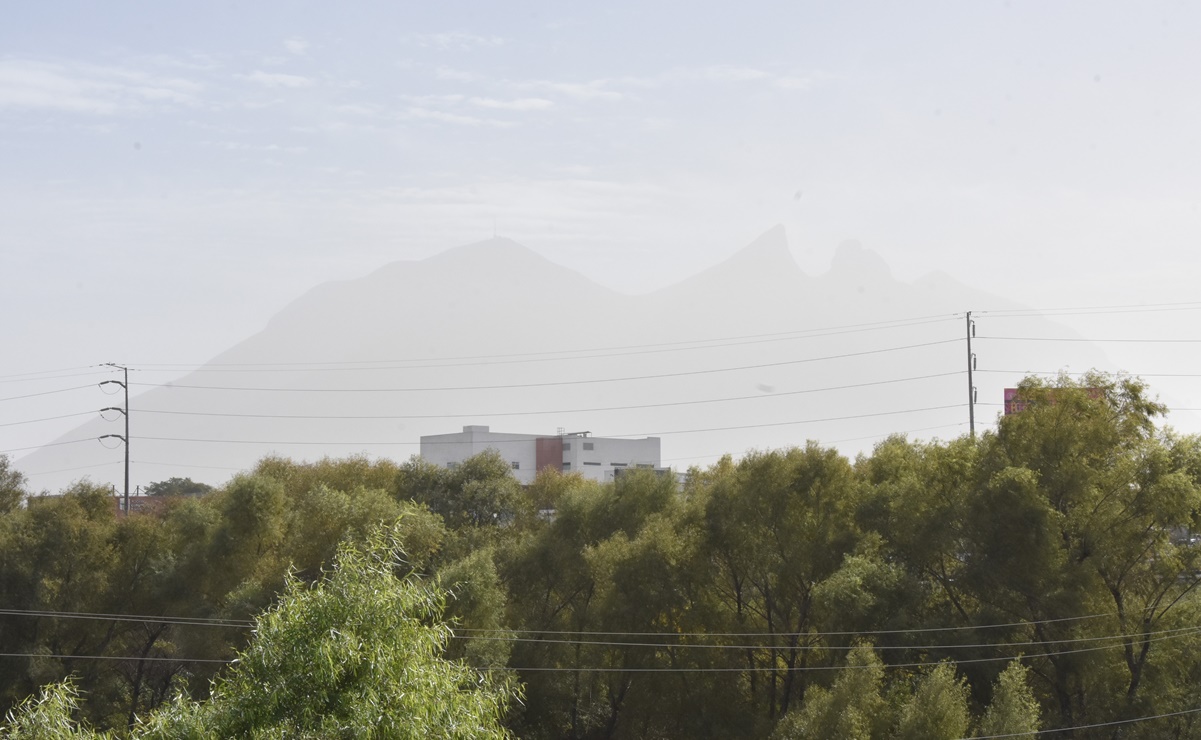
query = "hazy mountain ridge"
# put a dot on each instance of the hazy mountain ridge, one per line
(501, 302)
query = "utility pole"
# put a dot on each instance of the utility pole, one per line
(971, 386)
(125, 412)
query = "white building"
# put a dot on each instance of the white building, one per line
(597, 458)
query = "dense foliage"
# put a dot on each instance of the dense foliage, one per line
(1041, 576)
(358, 654)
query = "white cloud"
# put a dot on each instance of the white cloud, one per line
(457, 75)
(455, 40)
(357, 110)
(727, 73)
(296, 45)
(518, 104)
(793, 83)
(594, 90)
(239, 146)
(428, 100)
(277, 79)
(718, 73)
(191, 61)
(419, 113)
(82, 88)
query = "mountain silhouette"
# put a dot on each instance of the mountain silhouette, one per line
(751, 353)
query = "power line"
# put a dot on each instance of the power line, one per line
(48, 418)
(847, 633)
(186, 465)
(1139, 340)
(47, 393)
(508, 636)
(244, 624)
(561, 411)
(1178, 632)
(48, 372)
(153, 659)
(53, 377)
(1168, 408)
(555, 382)
(69, 470)
(1179, 306)
(1087, 727)
(393, 365)
(806, 669)
(48, 444)
(1080, 374)
(140, 618)
(157, 618)
(836, 441)
(790, 423)
(706, 344)
(527, 438)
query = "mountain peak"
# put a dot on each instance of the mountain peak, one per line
(768, 251)
(767, 257)
(496, 248)
(765, 266)
(852, 260)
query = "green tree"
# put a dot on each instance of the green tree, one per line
(551, 588)
(916, 498)
(480, 492)
(1014, 710)
(778, 525)
(49, 716)
(12, 486)
(356, 655)
(339, 474)
(938, 708)
(852, 709)
(177, 487)
(1078, 510)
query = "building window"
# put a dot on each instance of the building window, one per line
(591, 463)
(588, 445)
(451, 465)
(567, 466)
(516, 465)
(619, 465)
(567, 447)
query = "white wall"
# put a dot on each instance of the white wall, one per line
(447, 449)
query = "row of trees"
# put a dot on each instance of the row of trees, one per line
(1042, 576)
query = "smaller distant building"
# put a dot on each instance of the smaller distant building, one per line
(1015, 403)
(596, 458)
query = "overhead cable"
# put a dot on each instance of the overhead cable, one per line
(481, 414)
(705, 343)
(544, 384)
(529, 438)
(47, 393)
(1086, 727)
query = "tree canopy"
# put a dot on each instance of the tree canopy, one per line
(355, 655)
(1041, 576)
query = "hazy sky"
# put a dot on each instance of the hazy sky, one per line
(171, 174)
